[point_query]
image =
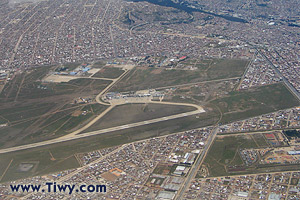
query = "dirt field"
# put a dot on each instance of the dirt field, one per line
(58, 78)
(109, 176)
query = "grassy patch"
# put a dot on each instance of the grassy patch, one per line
(131, 113)
(76, 85)
(244, 104)
(109, 72)
(224, 153)
(144, 78)
(162, 169)
(99, 64)
(24, 86)
(23, 112)
(63, 152)
(43, 163)
(63, 123)
(38, 111)
(260, 140)
(71, 66)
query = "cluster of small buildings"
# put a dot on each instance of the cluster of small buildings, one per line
(259, 73)
(249, 156)
(288, 118)
(164, 62)
(82, 100)
(275, 186)
(270, 156)
(287, 61)
(127, 170)
(3, 74)
(138, 95)
(78, 71)
(57, 32)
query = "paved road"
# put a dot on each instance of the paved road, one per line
(194, 168)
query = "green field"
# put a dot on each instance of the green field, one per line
(71, 66)
(253, 102)
(201, 64)
(48, 126)
(224, 152)
(35, 114)
(109, 72)
(20, 112)
(223, 158)
(201, 93)
(63, 152)
(42, 158)
(260, 140)
(24, 82)
(36, 111)
(63, 123)
(142, 78)
(99, 64)
(237, 105)
(131, 113)
(79, 86)
(27, 86)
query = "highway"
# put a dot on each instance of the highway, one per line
(195, 167)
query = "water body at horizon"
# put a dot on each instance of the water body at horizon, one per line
(186, 8)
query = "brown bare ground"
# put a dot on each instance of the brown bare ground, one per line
(157, 71)
(76, 113)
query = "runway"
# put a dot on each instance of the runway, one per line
(78, 133)
(98, 132)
